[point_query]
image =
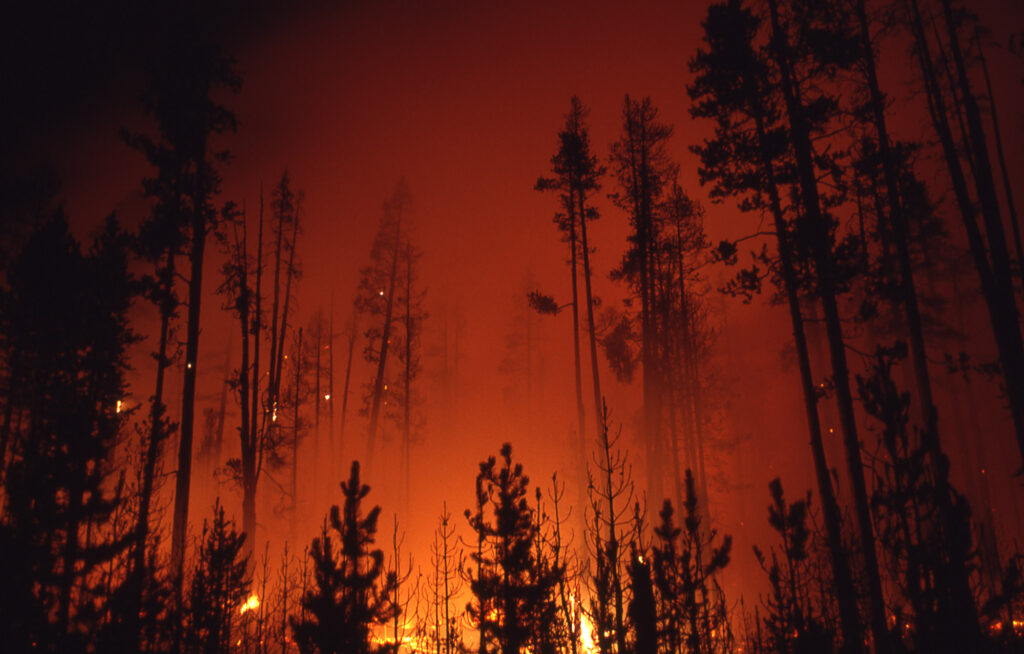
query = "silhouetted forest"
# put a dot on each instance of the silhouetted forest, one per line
(211, 441)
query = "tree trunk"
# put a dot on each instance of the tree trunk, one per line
(1007, 185)
(826, 290)
(591, 328)
(295, 440)
(407, 409)
(289, 276)
(378, 384)
(158, 432)
(690, 360)
(348, 379)
(222, 410)
(955, 574)
(580, 413)
(581, 418)
(1013, 364)
(258, 424)
(846, 596)
(188, 400)
(996, 287)
(332, 451)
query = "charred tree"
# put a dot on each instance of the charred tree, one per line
(377, 293)
(641, 165)
(179, 97)
(817, 222)
(747, 126)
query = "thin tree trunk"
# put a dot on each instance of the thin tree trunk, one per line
(955, 574)
(289, 276)
(591, 327)
(222, 410)
(295, 440)
(691, 367)
(378, 384)
(407, 409)
(985, 183)
(846, 596)
(993, 276)
(581, 436)
(188, 400)
(333, 453)
(1007, 185)
(258, 423)
(826, 291)
(317, 401)
(580, 413)
(348, 379)
(274, 374)
(158, 432)
(613, 538)
(316, 383)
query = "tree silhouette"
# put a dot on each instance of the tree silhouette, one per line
(643, 169)
(611, 495)
(686, 561)
(219, 586)
(352, 592)
(378, 286)
(65, 335)
(577, 176)
(794, 619)
(514, 585)
(411, 297)
(181, 79)
(261, 430)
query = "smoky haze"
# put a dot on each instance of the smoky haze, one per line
(464, 101)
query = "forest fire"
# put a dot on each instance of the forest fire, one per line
(587, 642)
(250, 604)
(351, 328)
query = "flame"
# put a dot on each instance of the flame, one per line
(586, 627)
(410, 640)
(250, 604)
(1016, 624)
(118, 408)
(587, 634)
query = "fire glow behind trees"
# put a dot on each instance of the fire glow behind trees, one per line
(762, 378)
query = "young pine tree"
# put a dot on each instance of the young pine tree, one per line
(219, 586)
(514, 587)
(794, 619)
(352, 592)
(686, 561)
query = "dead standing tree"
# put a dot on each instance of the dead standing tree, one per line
(411, 298)
(577, 175)
(377, 286)
(260, 437)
